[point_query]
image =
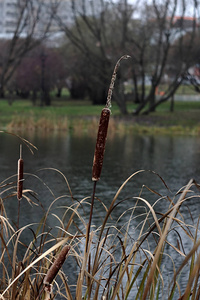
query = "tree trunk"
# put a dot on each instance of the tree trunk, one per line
(34, 97)
(2, 94)
(152, 106)
(59, 92)
(46, 99)
(120, 99)
(97, 94)
(172, 104)
(123, 108)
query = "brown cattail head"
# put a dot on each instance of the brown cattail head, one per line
(52, 272)
(20, 176)
(100, 144)
(103, 127)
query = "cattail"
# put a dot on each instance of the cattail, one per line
(100, 144)
(52, 272)
(103, 127)
(20, 175)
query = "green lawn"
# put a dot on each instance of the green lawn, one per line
(61, 114)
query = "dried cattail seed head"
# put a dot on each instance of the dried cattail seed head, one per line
(103, 127)
(100, 144)
(52, 272)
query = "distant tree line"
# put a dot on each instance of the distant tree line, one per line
(162, 38)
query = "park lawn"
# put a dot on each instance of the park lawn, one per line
(64, 114)
(70, 109)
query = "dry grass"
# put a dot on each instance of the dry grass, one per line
(120, 261)
(41, 124)
(80, 126)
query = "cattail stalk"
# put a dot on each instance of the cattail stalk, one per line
(48, 292)
(20, 178)
(54, 269)
(20, 175)
(101, 142)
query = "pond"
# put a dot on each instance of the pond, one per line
(175, 158)
(169, 162)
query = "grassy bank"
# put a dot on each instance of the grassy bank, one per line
(82, 116)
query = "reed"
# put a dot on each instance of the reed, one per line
(20, 178)
(119, 262)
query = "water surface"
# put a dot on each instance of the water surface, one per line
(175, 158)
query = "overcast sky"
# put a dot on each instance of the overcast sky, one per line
(189, 5)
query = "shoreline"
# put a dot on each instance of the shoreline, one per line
(150, 124)
(82, 117)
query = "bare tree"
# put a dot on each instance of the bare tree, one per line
(98, 40)
(193, 73)
(33, 23)
(40, 72)
(163, 34)
(149, 32)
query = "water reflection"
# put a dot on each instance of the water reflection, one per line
(175, 158)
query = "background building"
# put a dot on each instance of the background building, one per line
(62, 10)
(8, 17)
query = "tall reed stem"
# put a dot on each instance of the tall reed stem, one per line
(90, 218)
(20, 174)
(101, 142)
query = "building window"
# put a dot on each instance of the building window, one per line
(11, 14)
(14, 5)
(11, 23)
